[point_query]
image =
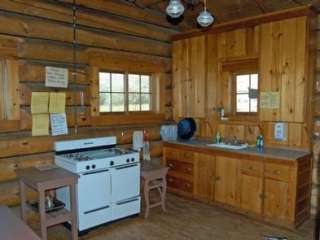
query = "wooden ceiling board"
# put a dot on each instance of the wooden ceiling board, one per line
(223, 10)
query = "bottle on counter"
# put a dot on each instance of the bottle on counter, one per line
(218, 138)
(260, 142)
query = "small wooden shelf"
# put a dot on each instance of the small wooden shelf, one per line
(56, 217)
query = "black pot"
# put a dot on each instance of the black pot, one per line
(186, 128)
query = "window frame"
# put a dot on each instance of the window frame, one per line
(126, 92)
(235, 94)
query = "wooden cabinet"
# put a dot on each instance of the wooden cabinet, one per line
(277, 200)
(189, 77)
(239, 43)
(283, 68)
(181, 171)
(275, 191)
(251, 183)
(205, 177)
(226, 186)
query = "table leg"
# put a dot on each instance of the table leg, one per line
(42, 212)
(73, 201)
(23, 200)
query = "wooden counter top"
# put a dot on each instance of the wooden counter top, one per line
(289, 156)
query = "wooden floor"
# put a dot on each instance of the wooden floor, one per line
(184, 220)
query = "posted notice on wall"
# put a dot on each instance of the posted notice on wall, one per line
(270, 100)
(56, 77)
(58, 124)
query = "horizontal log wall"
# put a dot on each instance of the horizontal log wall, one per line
(38, 33)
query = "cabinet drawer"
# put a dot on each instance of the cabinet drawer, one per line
(181, 167)
(278, 172)
(172, 153)
(186, 156)
(180, 184)
(253, 168)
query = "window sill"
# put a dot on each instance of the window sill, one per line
(125, 118)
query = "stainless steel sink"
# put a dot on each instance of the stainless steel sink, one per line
(228, 146)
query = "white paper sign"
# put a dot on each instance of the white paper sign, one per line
(59, 124)
(56, 77)
(280, 131)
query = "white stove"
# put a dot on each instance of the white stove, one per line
(109, 179)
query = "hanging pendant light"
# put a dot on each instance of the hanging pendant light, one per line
(205, 18)
(175, 8)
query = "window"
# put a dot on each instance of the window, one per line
(247, 93)
(139, 92)
(121, 92)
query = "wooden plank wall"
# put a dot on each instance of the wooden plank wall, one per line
(112, 36)
(281, 68)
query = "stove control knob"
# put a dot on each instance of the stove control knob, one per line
(87, 167)
(128, 160)
(93, 166)
(132, 159)
(111, 163)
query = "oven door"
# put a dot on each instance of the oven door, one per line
(125, 182)
(94, 191)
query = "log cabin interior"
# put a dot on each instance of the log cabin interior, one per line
(210, 110)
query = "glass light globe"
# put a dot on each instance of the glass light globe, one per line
(175, 8)
(205, 19)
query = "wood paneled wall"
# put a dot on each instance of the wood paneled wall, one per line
(279, 51)
(111, 36)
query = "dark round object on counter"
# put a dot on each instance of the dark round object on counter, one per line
(186, 128)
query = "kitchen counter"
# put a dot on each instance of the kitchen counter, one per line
(267, 152)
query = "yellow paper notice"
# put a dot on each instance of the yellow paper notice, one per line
(40, 124)
(39, 102)
(57, 102)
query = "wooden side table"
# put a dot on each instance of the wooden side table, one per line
(41, 181)
(154, 178)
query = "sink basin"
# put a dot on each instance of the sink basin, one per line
(228, 146)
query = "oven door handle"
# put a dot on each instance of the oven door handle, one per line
(97, 209)
(127, 166)
(94, 172)
(128, 201)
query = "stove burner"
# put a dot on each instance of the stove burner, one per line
(96, 154)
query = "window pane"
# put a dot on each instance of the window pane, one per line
(117, 100)
(254, 81)
(134, 83)
(242, 103)
(134, 102)
(117, 82)
(104, 82)
(243, 83)
(253, 105)
(145, 83)
(105, 102)
(145, 102)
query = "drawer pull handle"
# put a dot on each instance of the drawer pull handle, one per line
(217, 178)
(187, 185)
(189, 169)
(171, 165)
(250, 168)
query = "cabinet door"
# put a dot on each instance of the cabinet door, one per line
(205, 171)
(197, 77)
(180, 72)
(226, 184)
(277, 203)
(189, 77)
(283, 68)
(251, 193)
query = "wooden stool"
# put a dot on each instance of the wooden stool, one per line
(154, 178)
(41, 181)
